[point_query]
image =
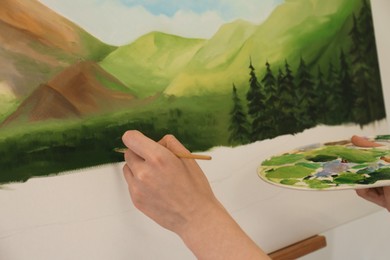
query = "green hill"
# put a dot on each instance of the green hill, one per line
(313, 29)
(150, 63)
(213, 61)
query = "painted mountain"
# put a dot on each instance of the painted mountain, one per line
(66, 98)
(77, 91)
(35, 45)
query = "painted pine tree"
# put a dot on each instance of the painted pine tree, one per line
(306, 107)
(369, 105)
(347, 89)
(333, 97)
(239, 125)
(272, 105)
(286, 93)
(321, 90)
(255, 98)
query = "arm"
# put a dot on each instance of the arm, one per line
(176, 194)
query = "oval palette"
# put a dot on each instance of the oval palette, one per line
(348, 164)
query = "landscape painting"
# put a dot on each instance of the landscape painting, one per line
(75, 75)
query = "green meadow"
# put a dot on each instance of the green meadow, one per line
(50, 148)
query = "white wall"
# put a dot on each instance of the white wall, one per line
(363, 239)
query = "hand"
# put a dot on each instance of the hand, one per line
(169, 190)
(379, 196)
(176, 194)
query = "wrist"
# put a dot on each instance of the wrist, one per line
(199, 219)
(213, 234)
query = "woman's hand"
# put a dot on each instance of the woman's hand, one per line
(176, 194)
(169, 190)
(379, 196)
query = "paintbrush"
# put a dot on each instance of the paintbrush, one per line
(180, 155)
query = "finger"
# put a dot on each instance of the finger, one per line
(364, 193)
(133, 161)
(141, 145)
(131, 184)
(372, 195)
(386, 194)
(128, 174)
(174, 145)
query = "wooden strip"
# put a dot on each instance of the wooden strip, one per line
(299, 249)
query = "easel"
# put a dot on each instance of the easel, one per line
(300, 248)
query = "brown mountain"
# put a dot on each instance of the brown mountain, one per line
(36, 43)
(77, 91)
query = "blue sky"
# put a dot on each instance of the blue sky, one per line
(120, 22)
(169, 8)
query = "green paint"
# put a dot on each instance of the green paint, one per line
(153, 60)
(288, 172)
(349, 154)
(319, 184)
(55, 147)
(365, 170)
(291, 182)
(298, 169)
(348, 178)
(309, 165)
(283, 159)
(382, 137)
(381, 174)
(359, 166)
(321, 158)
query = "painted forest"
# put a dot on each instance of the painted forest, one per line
(284, 101)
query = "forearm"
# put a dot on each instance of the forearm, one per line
(215, 235)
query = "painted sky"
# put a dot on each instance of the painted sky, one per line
(120, 22)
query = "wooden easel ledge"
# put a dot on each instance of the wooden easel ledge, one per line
(299, 249)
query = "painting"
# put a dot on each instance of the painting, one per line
(345, 164)
(75, 77)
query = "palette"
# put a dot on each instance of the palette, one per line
(359, 162)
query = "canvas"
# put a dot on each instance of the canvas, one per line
(87, 214)
(250, 71)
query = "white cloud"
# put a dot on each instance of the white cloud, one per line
(118, 24)
(190, 24)
(252, 10)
